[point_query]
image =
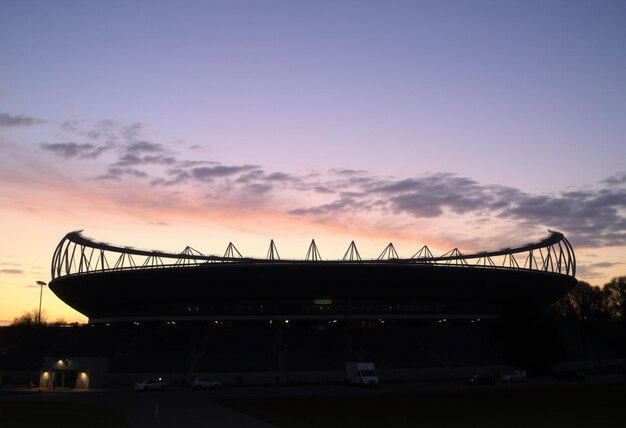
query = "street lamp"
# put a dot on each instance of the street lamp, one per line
(41, 284)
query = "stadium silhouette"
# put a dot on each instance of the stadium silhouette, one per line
(109, 283)
(270, 321)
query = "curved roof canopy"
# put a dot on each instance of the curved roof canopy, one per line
(77, 254)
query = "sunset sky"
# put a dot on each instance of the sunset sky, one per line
(161, 124)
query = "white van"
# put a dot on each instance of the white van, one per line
(361, 374)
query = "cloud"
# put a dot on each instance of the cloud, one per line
(208, 173)
(12, 271)
(432, 195)
(176, 176)
(591, 218)
(117, 174)
(143, 147)
(258, 189)
(323, 189)
(133, 130)
(332, 208)
(279, 176)
(70, 125)
(593, 269)
(134, 160)
(109, 134)
(348, 172)
(134, 152)
(616, 180)
(422, 197)
(75, 150)
(226, 178)
(7, 121)
(112, 131)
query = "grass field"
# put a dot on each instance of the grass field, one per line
(567, 406)
(556, 405)
(21, 414)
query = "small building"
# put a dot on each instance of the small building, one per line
(73, 373)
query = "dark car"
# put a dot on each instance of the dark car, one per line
(481, 379)
(150, 385)
(203, 383)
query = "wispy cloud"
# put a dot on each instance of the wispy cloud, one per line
(594, 269)
(8, 121)
(12, 271)
(594, 217)
(117, 174)
(75, 150)
(130, 159)
(591, 216)
(208, 173)
(616, 180)
(332, 208)
(143, 147)
(113, 131)
(431, 195)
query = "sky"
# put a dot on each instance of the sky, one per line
(161, 124)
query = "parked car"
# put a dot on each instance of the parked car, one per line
(203, 383)
(150, 385)
(481, 379)
(514, 376)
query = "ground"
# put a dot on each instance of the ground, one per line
(537, 403)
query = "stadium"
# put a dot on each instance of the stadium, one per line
(247, 320)
(109, 283)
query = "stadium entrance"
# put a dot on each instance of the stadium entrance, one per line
(64, 379)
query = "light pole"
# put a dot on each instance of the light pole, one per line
(41, 284)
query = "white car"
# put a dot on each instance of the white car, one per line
(514, 376)
(150, 385)
(203, 383)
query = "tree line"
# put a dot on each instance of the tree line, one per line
(531, 337)
(33, 318)
(597, 304)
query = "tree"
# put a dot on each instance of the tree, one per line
(59, 321)
(563, 308)
(587, 301)
(615, 292)
(30, 318)
(599, 313)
